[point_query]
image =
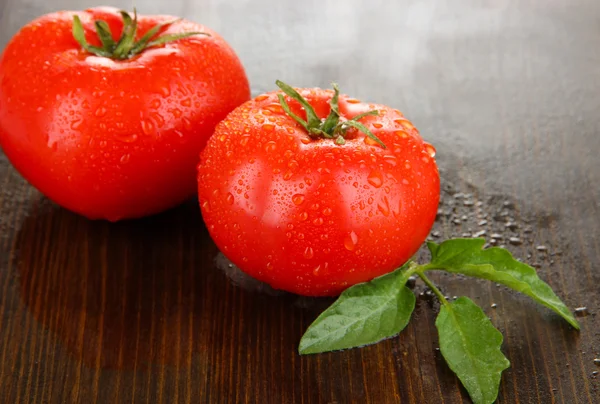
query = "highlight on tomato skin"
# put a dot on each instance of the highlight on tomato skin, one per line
(105, 112)
(306, 211)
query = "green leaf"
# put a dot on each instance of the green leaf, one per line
(368, 113)
(466, 256)
(105, 35)
(312, 118)
(79, 35)
(173, 37)
(363, 129)
(363, 314)
(471, 346)
(288, 111)
(334, 115)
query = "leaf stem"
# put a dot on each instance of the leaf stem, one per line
(433, 288)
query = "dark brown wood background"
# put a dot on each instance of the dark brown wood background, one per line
(509, 93)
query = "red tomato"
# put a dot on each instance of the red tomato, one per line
(114, 136)
(306, 214)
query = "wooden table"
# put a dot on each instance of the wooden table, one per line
(508, 92)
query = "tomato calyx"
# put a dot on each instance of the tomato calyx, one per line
(330, 127)
(127, 46)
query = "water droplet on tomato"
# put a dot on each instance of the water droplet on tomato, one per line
(261, 97)
(391, 160)
(401, 134)
(125, 158)
(305, 140)
(155, 104)
(270, 146)
(384, 207)
(327, 211)
(362, 205)
(298, 199)
(268, 127)
(288, 174)
(353, 101)
(165, 91)
(318, 221)
(308, 253)
(300, 236)
(269, 266)
(128, 138)
(371, 142)
(244, 140)
(102, 143)
(317, 270)
(377, 125)
(230, 198)
(430, 150)
(350, 241)
(405, 181)
(100, 112)
(187, 123)
(75, 125)
(186, 102)
(375, 179)
(206, 206)
(147, 127)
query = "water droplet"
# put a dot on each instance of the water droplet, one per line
(130, 138)
(401, 134)
(125, 158)
(353, 101)
(244, 140)
(391, 160)
(187, 123)
(327, 211)
(581, 311)
(377, 125)
(375, 179)
(430, 150)
(305, 140)
(75, 125)
(405, 181)
(186, 102)
(303, 216)
(290, 226)
(308, 253)
(261, 97)
(230, 198)
(318, 221)
(298, 199)
(147, 127)
(268, 127)
(350, 241)
(371, 142)
(317, 270)
(155, 104)
(269, 266)
(100, 112)
(270, 146)
(384, 207)
(206, 206)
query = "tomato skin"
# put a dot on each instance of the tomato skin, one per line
(309, 216)
(113, 139)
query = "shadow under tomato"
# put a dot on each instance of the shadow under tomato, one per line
(145, 292)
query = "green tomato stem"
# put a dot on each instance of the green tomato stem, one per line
(126, 47)
(431, 286)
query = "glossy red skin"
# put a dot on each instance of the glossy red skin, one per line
(113, 139)
(363, 210)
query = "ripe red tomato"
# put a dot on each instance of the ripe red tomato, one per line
(114, 133)
(315, 214)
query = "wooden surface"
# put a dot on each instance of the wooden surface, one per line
(508, 92)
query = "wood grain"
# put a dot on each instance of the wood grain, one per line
(92, 312)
